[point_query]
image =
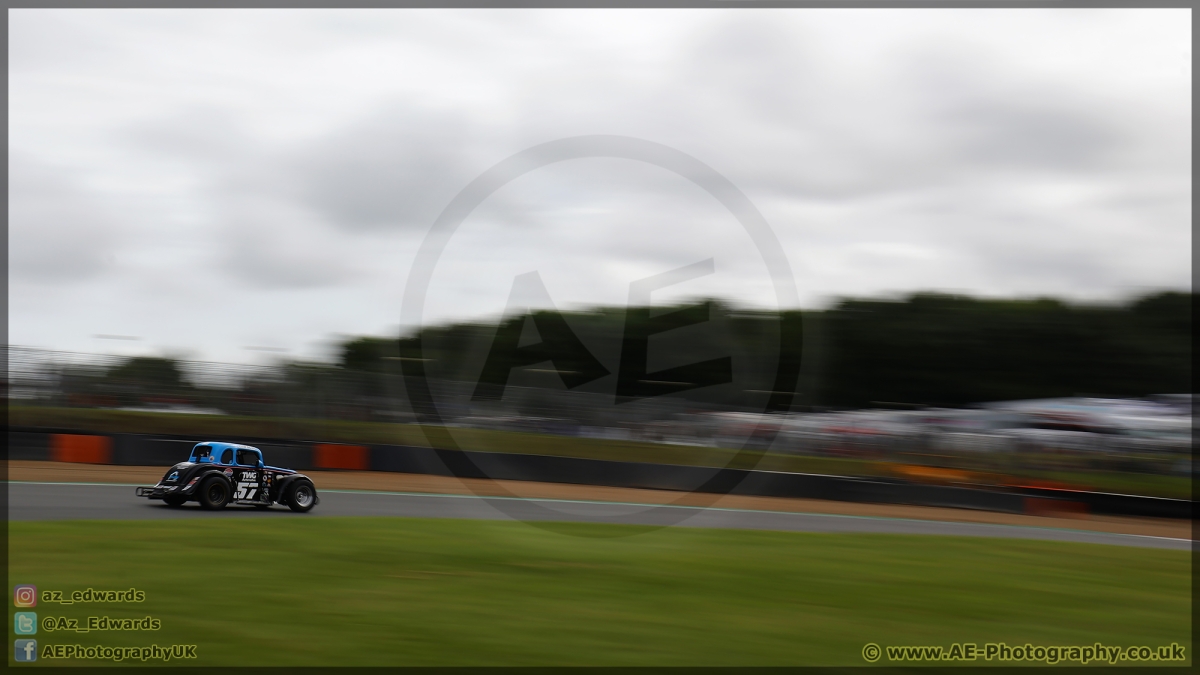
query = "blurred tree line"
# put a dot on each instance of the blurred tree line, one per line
(926, 349)
(934, 349)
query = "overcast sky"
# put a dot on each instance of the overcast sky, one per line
(209, 181)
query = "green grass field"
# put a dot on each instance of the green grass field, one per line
(389, 591)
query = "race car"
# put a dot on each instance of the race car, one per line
(217, 474)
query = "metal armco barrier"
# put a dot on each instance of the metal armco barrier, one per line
(1118, 505)
(151, 450)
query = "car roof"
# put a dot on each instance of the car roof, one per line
(219, 446)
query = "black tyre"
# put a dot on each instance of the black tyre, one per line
(175, 500)
(214, 493)
(301, 496)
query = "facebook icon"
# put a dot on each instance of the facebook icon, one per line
(25, 650)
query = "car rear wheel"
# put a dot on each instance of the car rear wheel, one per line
(175, 500)
(214, 493)
(301, 496)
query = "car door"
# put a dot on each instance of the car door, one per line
(247, 476)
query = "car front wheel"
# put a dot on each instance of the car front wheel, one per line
(301, 496)
(214, 493)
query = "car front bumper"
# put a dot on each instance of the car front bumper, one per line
(160, 491)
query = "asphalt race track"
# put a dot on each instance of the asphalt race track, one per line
(79, 501)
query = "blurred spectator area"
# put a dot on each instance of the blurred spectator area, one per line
(981, 386)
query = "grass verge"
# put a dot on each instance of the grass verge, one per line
(390, 591)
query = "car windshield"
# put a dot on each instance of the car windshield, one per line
(202, 453)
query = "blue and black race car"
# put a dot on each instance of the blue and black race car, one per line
(217, 474)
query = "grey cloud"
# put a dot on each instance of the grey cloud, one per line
(52, 39)
(394, 170)
(976, 117)
(205, 139)
(277, 250)
(761, 66)
(279, 209)
(391, 169)
(59, 233)
(973, 156)
(1034, 135)
(261, 235)
(938, 114)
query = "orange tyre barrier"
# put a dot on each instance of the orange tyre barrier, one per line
(331, 456)
(1062, 508)
(81, 449)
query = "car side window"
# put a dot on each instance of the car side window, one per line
(247, 458)
(227, 456)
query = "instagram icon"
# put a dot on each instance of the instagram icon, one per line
(25, 596)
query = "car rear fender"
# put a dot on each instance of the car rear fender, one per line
(201, 473)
